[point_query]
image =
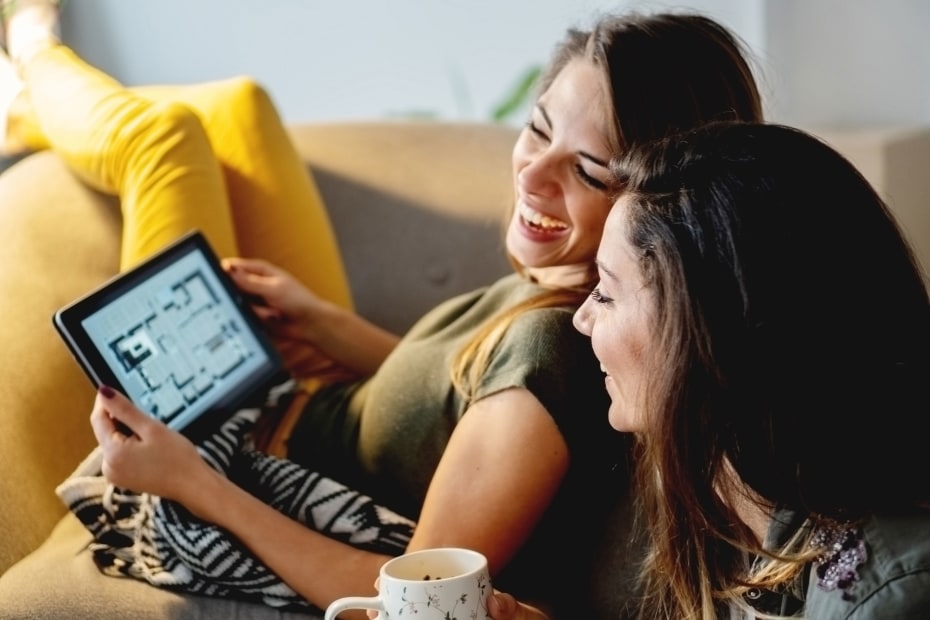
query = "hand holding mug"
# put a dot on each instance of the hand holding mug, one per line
(503, 606)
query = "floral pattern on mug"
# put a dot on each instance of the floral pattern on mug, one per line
(428, 601)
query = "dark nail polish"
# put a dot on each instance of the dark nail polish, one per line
(107, 392)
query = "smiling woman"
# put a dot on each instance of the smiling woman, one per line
(483, 423)
(560, 172)
(619, 317)
(772, 366)
(766, 371)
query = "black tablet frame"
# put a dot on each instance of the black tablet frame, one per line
(69, 321)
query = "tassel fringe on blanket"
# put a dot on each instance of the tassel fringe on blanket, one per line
(158, 541)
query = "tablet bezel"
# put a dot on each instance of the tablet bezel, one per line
(69, 321)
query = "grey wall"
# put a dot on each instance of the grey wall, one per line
(820, 61)
(850, 62)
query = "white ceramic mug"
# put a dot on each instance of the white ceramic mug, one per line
(433, 583)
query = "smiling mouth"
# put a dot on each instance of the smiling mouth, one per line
(534, 219)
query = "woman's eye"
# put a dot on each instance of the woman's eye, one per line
(600, 298)
(589, 180)
(535, 129)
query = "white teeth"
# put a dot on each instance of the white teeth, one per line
(542, 221)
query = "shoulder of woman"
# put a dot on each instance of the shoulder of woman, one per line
(545, 328)
(889, 577)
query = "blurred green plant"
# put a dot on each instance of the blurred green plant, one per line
(513, 102)
(517, 99)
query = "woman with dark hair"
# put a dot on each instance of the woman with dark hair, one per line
(481, 424)
(765, 333)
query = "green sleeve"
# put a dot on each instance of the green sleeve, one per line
(544, 353)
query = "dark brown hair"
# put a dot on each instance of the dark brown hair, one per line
(793, 335)
(664, 72)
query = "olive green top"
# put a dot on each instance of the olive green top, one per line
(385, 435)
(880, 569)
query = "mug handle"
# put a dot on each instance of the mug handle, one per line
(353, 602)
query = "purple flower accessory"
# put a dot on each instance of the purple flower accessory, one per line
(844, 551)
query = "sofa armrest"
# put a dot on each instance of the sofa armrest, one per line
(58, 239)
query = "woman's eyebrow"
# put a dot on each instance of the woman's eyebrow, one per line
(593, 159)
(604, 270)
(545, 115)
(584, 154)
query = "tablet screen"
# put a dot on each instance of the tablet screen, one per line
(174, 335)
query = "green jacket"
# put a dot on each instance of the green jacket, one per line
(882, 570)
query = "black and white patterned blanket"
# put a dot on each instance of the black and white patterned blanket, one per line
(144, 537)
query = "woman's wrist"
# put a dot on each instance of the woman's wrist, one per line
(320, 321)
(201, 491)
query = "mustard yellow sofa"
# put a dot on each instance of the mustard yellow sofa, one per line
(418, 208)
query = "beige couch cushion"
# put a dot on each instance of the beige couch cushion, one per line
(57, 242)
(60, 582)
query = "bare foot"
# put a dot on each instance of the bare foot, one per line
(10, 89)
(30, 26)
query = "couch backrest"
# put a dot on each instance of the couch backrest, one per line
(418, 207)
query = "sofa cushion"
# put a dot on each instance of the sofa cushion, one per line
(64, 566)
(59, 240)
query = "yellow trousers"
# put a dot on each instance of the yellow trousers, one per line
(211, 156)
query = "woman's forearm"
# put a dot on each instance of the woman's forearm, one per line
(319, 568)
(154, 459)
(350, 339)
(296, 314)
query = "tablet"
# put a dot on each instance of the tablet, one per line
(176, 336)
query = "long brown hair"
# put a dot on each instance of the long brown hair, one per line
(665, 72)
(789, 310)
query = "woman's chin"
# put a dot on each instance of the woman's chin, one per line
(520, 250)
(620, 420)
(532, 257)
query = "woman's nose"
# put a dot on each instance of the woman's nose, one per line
(582, 319)
(538, 177)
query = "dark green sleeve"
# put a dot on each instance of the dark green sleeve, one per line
(544, 353)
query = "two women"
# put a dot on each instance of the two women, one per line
(765, 334)
(485, 422)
